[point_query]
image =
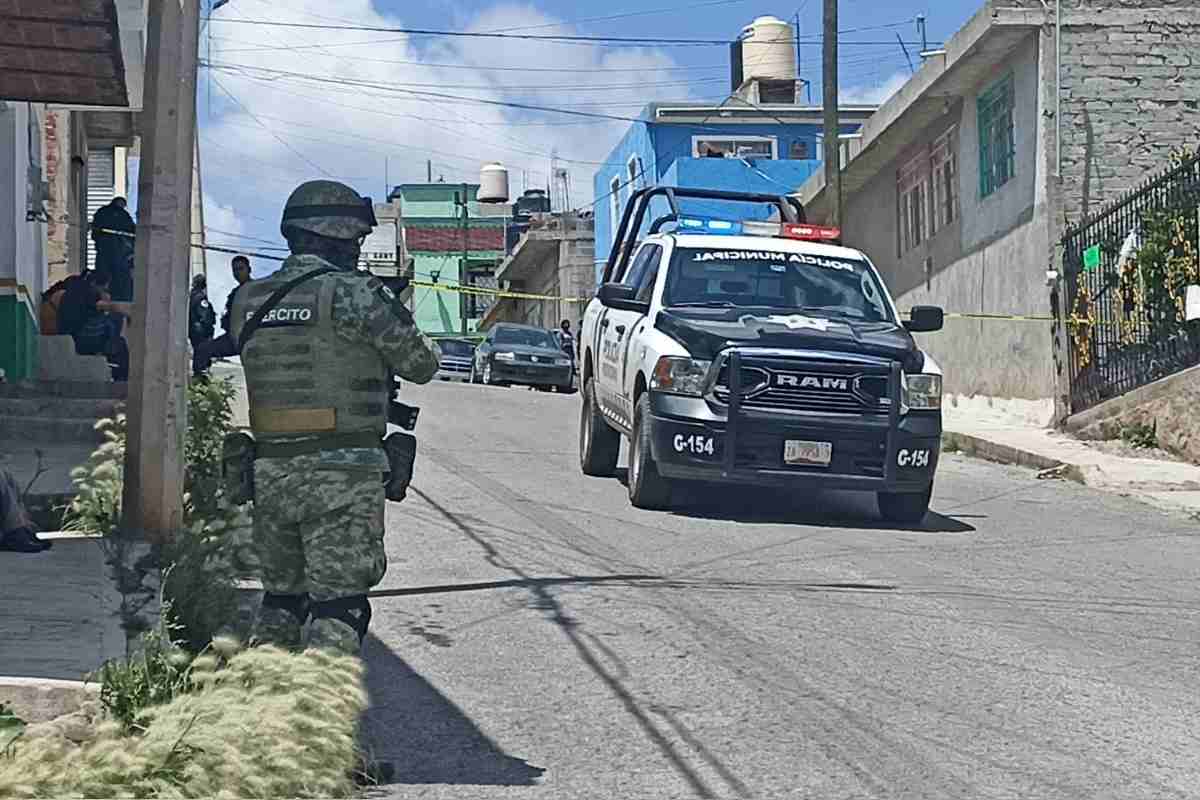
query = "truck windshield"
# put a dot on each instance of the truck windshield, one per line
(716, 278)
(455, 347)
(527, 337)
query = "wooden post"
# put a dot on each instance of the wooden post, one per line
(157, 408)
(833, 126)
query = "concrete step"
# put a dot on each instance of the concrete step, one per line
(57, 360)
(59, 407)
(49, 430)
(92, 390)
(20, 457)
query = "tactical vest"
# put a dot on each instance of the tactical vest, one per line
(304, 380)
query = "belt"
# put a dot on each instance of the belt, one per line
(303, 447)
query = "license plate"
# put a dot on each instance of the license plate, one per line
(807, 453)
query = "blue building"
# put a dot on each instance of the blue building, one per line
(735, 147)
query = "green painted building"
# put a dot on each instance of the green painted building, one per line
(22, 239)
(436, 236)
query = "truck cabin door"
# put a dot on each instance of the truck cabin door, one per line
(616, 333)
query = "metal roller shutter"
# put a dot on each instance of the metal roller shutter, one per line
(100, 179)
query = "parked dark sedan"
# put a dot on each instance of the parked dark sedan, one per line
(525, 355)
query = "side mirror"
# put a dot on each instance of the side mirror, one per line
(622, 297)
(925, 319)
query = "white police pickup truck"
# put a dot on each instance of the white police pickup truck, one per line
(755, 353)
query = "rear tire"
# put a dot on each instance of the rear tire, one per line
(599, 444)
(647, 489)
(904, 507)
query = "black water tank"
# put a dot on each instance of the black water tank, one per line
(533, 201)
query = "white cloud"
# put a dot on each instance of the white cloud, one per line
(321, 127)
(877, 94)
(226, 228)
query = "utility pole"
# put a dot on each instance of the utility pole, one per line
(924, 35)
(157, 408)
(833, 150)
(462, 266)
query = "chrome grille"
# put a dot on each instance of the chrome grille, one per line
(780, 384)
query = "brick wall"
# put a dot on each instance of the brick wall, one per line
(1130, 94)
(433, 239)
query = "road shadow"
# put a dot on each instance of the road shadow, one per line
(423, 736)
(821, 509)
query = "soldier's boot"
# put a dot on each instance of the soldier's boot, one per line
(280, 620)
(340, 624)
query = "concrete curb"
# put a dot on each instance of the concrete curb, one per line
(1005, 454)
(43, 699)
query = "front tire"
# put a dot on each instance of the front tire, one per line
(904, 506)
(488, 377)
(647, 489)
(599, 444)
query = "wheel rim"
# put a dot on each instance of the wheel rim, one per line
(487, 373)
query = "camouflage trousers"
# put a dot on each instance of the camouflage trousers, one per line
(318, 532)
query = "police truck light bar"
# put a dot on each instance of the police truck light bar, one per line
(785, 230)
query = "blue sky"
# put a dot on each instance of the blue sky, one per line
(281, 105)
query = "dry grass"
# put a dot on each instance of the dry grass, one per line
(265, 723)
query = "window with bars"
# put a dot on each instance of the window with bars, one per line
(944, 161)
(912, 184)
(996, 142)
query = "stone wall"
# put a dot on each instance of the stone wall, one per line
(1169, 405)
(1130, 72)
(58, 176)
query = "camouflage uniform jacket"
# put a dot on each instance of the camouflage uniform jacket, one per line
(364, 312)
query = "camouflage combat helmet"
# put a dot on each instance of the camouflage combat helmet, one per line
(330, 209)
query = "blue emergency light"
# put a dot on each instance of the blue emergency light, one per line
(710, 225)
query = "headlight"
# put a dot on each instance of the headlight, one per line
(562, 362)
(921, 392)
(675, 375)
(506, 356)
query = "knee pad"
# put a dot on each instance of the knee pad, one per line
(294, 604)
(355, 611)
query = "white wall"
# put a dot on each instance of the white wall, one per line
(22, 243)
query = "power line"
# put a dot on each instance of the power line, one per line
(263, 125)
(626, 15)
(442, 95)
(440, 65)
(550, 38)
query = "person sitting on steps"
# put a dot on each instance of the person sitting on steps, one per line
(16, 527)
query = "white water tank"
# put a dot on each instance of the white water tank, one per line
(768, 50)
(493, 184)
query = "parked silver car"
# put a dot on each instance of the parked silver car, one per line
(455, 364)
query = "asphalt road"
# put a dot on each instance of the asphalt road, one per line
(1033, 639)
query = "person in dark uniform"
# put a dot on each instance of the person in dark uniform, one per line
(224, 346)
(566, 339)
(202, 320)
(112, 231)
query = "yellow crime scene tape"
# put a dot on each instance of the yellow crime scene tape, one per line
(509, 294)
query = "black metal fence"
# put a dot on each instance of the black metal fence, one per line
(1127, 269)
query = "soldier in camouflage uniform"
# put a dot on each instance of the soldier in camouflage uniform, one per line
(318, 376)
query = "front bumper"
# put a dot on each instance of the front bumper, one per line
(530, 374)
(881, 453)
(454, 371)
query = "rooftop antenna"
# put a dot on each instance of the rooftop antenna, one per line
(904, 47)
